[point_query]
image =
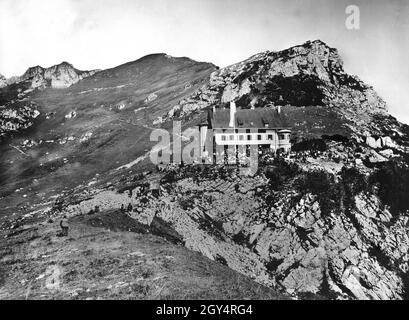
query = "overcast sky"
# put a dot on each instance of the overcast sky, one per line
(104, 33)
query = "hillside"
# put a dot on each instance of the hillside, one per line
(310, 84)
(62, 75)
(330, 221)
(97, 124)
(110, 257)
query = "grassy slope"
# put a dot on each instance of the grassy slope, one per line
(314, 122)
(102, 259)
(119, 135)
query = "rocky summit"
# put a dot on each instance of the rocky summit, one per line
(16, 112)
(62, 75)
(3, 81)
(309, 76)
(329, 221)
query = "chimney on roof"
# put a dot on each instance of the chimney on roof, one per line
(253, 103)
(232, 113)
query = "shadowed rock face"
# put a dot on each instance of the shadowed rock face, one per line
(3, 81)
(348, 248)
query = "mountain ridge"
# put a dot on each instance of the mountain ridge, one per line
(3, 81)
(61, 75)
(35, 70)
(310, 74)
(330, 220)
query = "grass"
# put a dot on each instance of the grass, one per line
(118, 136)
(108, 262)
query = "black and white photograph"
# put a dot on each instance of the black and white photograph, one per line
(238, 151)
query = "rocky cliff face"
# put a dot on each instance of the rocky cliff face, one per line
(59, 76)
(321, 223)
(307, 75)
(331, 237)
(332, 220)
(13, 120)
(3, 81)
(112, 109)
(62, 75)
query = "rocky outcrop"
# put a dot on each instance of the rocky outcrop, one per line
(279, 238)
(70, 115)
(310, 74)
(3, 81)
(62, 75)
(151, 97)
(17, 118)
(381, 142)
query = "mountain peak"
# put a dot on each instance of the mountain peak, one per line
(3, 81)
(307, 75)
(316, 47)
(316, 42)
(32, 71)
(60, 75)
(65, 63)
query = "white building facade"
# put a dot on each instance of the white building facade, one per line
(265, 127)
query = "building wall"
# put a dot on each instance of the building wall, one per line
(239, 137)
(246, 138)
(269, 137)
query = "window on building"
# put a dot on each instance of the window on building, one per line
(241, 137)
(231, 137)
(223, 137)
(282, 136)
(259, 137)
(270, 137)
(249, 137)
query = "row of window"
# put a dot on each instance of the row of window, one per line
(242, 137)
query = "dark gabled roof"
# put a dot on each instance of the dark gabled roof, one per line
(248, 118)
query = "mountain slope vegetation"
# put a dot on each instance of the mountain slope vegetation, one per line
(329, 221)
